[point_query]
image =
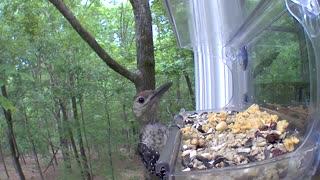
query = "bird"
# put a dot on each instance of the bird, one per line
(154, 133)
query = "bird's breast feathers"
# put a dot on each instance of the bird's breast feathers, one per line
(155, 135)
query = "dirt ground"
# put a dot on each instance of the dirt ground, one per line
(29, 169)
(123, 170)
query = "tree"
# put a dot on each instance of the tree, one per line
(56, 79)
(144, 78)
(11, 137)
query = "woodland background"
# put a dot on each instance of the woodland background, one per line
(67, 114)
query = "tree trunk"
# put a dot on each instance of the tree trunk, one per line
(27, 126)
(37, 159)
(178, 89)
(85, 136)
(61, 129)
(127, 129)
(53, 157)
(85, 170)
(81, 145)
(75, 151)
(63, 140)
(67, 128)
(186, 76)
(144, 43)
(10, 135)
(109, 134)
(4, 162)
(51, 144)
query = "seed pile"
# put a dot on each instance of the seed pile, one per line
(216, 140)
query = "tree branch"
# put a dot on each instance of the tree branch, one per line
(86, 36)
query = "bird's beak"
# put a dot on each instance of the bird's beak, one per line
(161, 90)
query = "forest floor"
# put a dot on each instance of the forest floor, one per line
(127, 169)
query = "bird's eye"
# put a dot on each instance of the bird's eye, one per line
(141, 100)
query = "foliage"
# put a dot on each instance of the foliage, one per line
(44, 62)
(287, 69)
(39, 54)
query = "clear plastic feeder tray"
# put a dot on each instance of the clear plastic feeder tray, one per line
(269, 52)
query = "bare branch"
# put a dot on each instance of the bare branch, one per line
(86, 36)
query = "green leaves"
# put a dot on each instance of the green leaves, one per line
(6, 104)
(43, 60)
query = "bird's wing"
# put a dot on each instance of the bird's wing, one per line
(149, 157)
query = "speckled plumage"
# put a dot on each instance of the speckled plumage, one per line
(153, 134)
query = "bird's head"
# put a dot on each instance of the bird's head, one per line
(145, 104)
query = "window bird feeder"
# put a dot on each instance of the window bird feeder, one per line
(250, 52)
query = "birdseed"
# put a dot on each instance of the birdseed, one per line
(217, 140)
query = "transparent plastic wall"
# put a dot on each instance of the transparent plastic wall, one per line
(206, 27)
(210, 28)
(201, 32)
(263, 52)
